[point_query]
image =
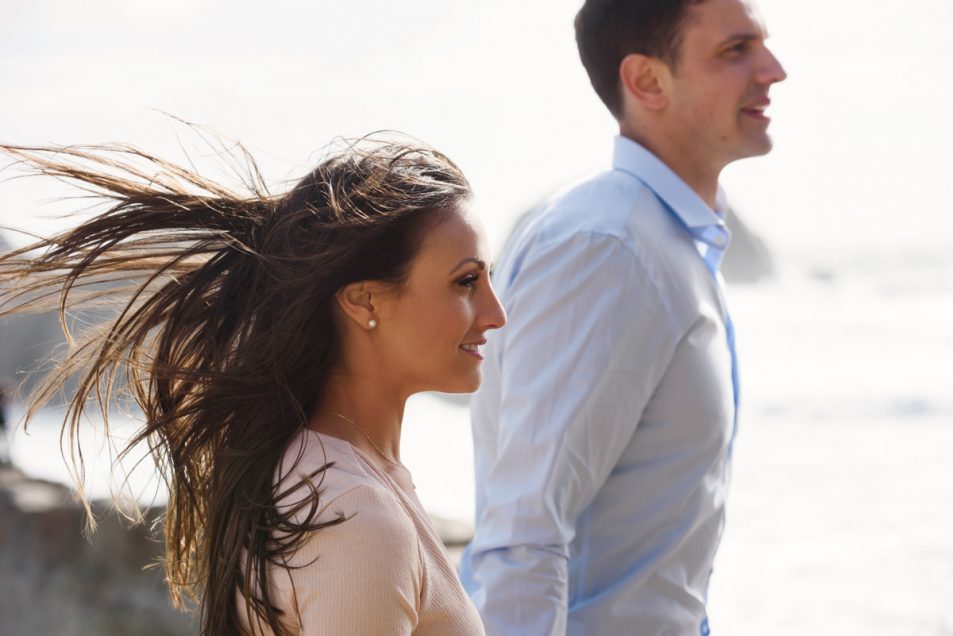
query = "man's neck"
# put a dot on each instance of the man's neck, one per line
(703, 180)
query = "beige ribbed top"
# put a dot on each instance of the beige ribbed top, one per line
(384, 570)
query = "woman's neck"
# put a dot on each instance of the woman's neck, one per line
(359, 412)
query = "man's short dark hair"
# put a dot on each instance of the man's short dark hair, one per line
(608, 30)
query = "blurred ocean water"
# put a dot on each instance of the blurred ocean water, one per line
(841, 512)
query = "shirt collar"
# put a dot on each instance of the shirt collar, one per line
(633, 158)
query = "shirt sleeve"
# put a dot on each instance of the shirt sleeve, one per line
(586, 343)
(361, 577)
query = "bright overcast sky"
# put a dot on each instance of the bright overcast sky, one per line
(862, 125)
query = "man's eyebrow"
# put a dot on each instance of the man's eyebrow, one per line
(469, 259)
(742, 37)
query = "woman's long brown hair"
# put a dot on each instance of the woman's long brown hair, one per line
(224, 333)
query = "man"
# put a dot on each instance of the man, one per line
(604, 426)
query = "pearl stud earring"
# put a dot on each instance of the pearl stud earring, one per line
(371, 323)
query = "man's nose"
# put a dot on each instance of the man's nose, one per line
(771, 71)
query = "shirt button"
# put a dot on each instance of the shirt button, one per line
(718, 240)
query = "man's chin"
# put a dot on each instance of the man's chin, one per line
(756, 147)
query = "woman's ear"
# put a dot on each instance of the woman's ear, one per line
(360, 302)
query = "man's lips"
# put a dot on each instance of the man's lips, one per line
(757, 109)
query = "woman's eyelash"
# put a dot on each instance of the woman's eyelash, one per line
(469, 280)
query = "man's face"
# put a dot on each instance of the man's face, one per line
(719, 88)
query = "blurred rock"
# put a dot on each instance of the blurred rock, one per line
(453, 532)
(54, 581)
(748, 259)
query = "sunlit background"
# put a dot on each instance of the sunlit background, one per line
(841, 514)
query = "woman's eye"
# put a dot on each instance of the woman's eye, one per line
(468, 281)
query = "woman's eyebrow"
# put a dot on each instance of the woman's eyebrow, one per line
(469, 259)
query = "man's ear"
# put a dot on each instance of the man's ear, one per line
(644, 80)
(361, 302)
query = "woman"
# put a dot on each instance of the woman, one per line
(271, 343)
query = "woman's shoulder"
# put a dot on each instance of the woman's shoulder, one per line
(371, 559)
(327, 470)
(368, 525)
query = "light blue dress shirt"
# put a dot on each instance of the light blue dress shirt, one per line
(603, 427)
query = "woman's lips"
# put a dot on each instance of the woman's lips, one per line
(473, 348)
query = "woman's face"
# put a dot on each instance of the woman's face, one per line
(431, 331)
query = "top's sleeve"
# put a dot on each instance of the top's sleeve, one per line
(361, 577)
(586, 342)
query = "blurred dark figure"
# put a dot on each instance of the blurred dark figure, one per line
(4, 439)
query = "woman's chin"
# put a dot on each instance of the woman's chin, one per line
(467, 384)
